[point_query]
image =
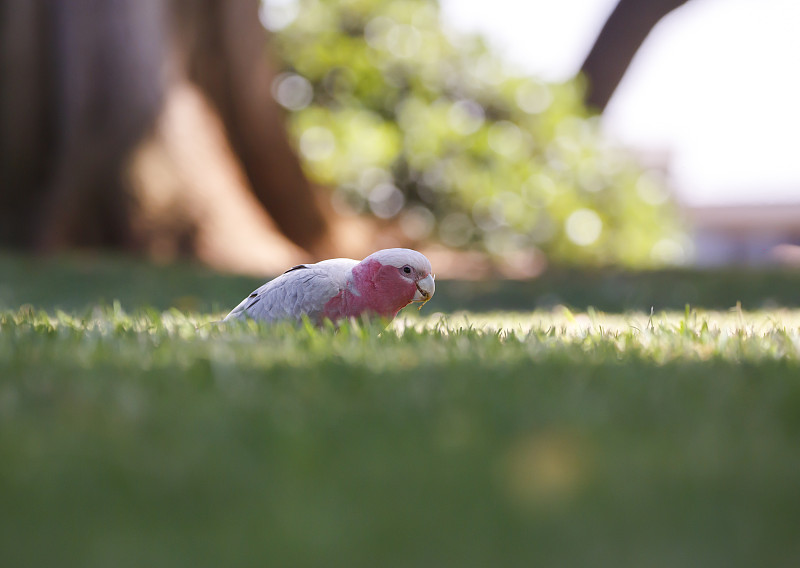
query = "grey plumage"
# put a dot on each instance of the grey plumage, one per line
(303, 289)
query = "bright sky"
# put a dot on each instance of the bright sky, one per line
(717, 85)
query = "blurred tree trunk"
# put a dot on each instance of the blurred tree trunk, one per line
(615, 46)
(84, 84)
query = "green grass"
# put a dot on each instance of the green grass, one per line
(134, 436)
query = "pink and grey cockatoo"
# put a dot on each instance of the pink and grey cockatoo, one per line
(380, 285)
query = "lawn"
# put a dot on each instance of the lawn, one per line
(138, 434)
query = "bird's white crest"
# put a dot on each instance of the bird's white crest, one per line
(400, 257)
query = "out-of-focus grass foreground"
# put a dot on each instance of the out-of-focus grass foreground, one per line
(135, 434)
(585, 417)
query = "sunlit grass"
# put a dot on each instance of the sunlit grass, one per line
(137, 338)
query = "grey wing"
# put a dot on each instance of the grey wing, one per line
(298, 291)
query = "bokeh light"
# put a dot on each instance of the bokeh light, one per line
(386, 200)
(292, 91)
(317, 143)
(431, 130)
(583, 227)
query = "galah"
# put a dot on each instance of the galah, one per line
(380, 285)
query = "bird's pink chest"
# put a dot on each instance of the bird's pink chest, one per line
(377, 290)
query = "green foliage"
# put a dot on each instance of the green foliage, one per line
(407, 121)
(546, 438)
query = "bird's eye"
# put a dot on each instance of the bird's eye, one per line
(407, 269)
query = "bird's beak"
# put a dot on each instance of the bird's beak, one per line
(425, 290)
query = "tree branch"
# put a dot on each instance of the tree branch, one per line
(617, 44)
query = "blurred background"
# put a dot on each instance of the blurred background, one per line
(159, 158)
(709, 98)
(498, 138)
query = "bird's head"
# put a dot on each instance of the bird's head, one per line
(396, 278)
